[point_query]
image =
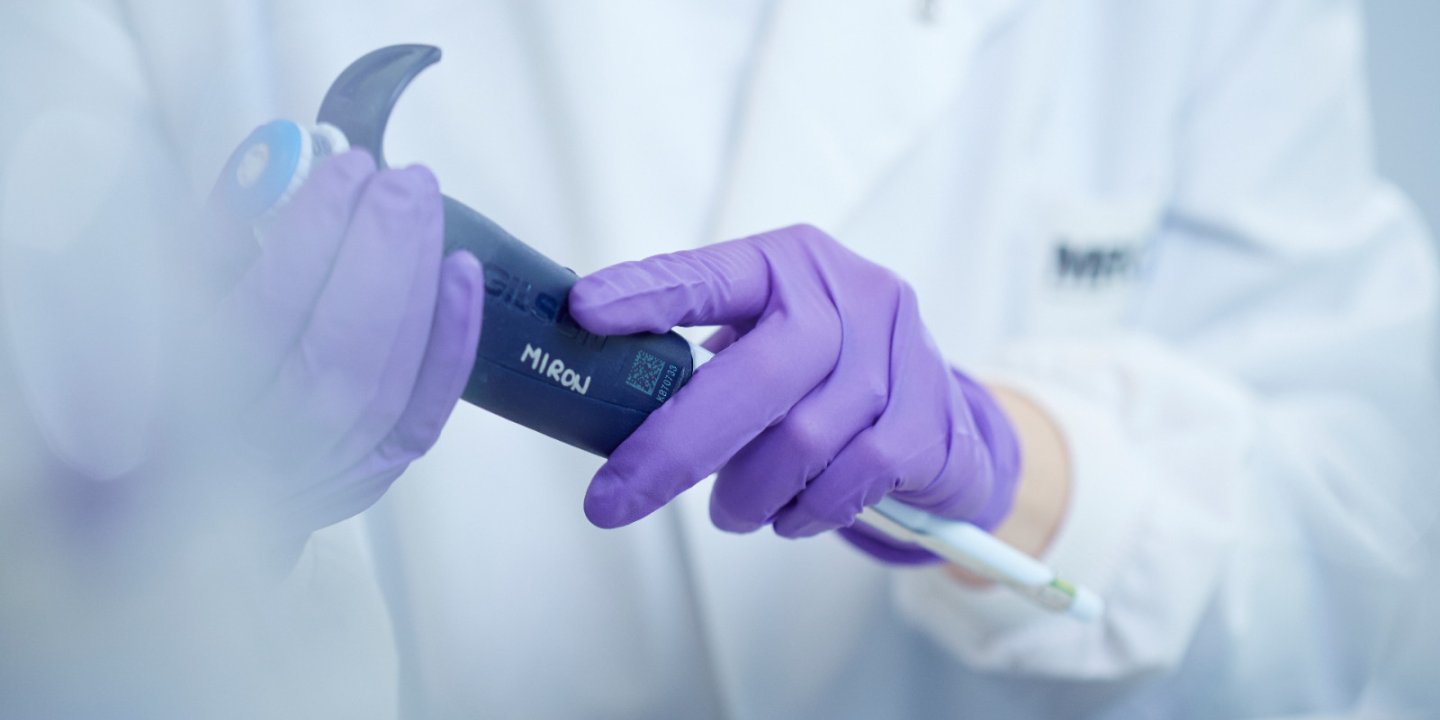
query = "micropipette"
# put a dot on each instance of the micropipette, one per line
(535, 365)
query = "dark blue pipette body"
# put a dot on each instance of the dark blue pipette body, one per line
(535, 365)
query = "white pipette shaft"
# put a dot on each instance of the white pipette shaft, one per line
(983, 554)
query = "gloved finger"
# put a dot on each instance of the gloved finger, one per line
(720, 284)
(357, 492)
(908, 443)
(332, 374)
(270, 306)
(721, 339)
(864, 472)
(886, 549)
(996, 460)
(727, 404)
(967, 466)
(769, 472)
(449, 358)
(930, 389)
(773, 469)
(398, 379)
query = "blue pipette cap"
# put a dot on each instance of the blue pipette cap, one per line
(271, 164)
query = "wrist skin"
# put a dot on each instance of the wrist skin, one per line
(1042, 496)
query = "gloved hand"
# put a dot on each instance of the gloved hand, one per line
(337, 357)
(827, 394)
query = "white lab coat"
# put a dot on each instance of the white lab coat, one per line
(1160, 220)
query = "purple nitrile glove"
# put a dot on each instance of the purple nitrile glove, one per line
(826, 395)
(338, 355)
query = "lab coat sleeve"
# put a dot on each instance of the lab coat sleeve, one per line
(83, 166)
(90, 186)
(1247, 450)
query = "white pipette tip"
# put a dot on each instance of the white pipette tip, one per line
(980, 552)
(1087, 606)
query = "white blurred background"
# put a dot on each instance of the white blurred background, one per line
(1405, 93)
(1405, 87)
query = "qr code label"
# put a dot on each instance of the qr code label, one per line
(645, 372)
